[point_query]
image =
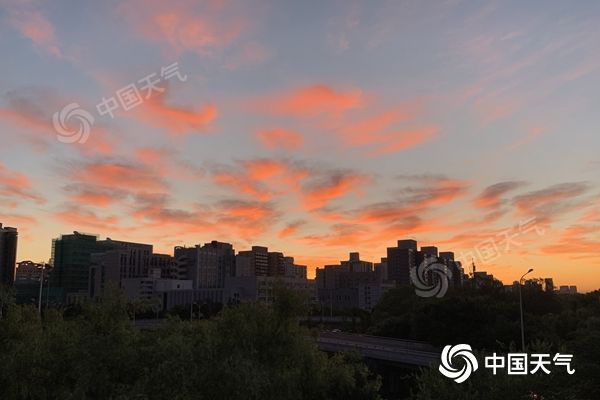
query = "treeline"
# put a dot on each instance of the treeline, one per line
(488, 319)
(249, 351)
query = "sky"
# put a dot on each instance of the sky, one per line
(315, 128)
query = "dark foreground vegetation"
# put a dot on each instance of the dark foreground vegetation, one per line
(249, 351)
(252, 351)
(487, 318)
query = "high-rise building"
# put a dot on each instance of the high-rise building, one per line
(429, 250)
(276, 264)
(382, 268)
(352, 284)
(355, 264)
(207, 266)
(8, 254)
(400, 260)
(407, 244)
(291, 269)
(72, 259)
(253, 262)
(216, 261)
(128, 260)
(548, 284)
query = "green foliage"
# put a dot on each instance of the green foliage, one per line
(488, 320)
(7, 298)
(250, 351)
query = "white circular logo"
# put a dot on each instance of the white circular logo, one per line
(430, 278)
(464, 352)
(60, 120)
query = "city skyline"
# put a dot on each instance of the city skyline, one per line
(420, 251)
(470, 127)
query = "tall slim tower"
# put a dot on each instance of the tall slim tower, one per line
(8, 254)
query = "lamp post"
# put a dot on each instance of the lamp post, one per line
(192, 310)
(521, 308)
(40, 292)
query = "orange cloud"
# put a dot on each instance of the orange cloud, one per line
(27, 18)
(280, 138)
(14, 185)
(122, 176)
(578, 241)
(291, 228)
(262, 178)
(313, 101)
(382, 133)
(550, 202)
(492, 196)
(32, 110)
(79, 217)
(331, 187)
(185, 26)
(175, 120)
(531, 135)
(404, 139)
(368, 130)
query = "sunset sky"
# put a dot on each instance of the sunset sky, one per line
(315, 128)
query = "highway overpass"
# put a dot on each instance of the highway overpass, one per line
(403, 352)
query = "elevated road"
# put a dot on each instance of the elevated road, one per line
(404, 352)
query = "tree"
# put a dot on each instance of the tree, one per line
(7, 297)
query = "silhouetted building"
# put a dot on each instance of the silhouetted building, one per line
(206, 266)
(261, 288)
(400, 260)
(8, 254)
(382, 267)
(291, 269)
(407, 244)
(429, 250)
(355, 264)
(352, 284)
(482, 278)
(548, 285)
(72, 259)
(167, 293)
(129, 260)
(447, 255)
(565, 289)
(29, 270)
(253, 262)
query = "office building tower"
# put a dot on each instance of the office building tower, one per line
(72, 259)
(8, 254)
(253, 262)
(400, 260)
(355, 264)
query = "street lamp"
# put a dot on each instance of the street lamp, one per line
(40, 292)
(521, 308)
(192, 310)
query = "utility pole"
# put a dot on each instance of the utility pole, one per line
(521, 308)
(40, 294)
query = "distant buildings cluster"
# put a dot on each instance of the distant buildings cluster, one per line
(83, 267)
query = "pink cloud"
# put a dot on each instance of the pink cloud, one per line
(310, 101)
(28, 19)
(280, 138)
(16, 186)
(175, 120)
(185, 26)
